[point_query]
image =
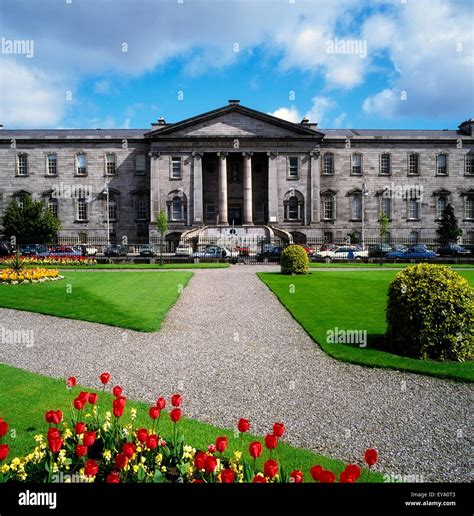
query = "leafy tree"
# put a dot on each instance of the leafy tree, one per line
(31, 223)
(448, 230)
(162, 227)
(384, 224)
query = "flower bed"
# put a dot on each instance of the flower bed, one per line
(96, 446)
(38, 275)
(50, 260)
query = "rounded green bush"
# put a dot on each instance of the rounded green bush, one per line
(430, 314)
(294, 260)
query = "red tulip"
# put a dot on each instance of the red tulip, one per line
(81, 450)
(91, 468)
(270, 468)
(154, 412)
(128, 449)
(243, 425)
(161, 403)
(316, 472)
(142, 434)
(71, 382)
(210, 464)
(199, 460)
(163, 443)
(227, 476)
(278, 429)
(113, 478)
(120, 461)
(371, 456)
(119, 406)
(4, 449)
(258, 479)
(54, 416)
(93, 398)
(117, 391)
(152, 441)
(221, 444)
(55, 444)
(296, 476)
(79, 403)
(80, 428)
(255, 449)
(3, 428)
(88, 438)
(53, 433)
(211, 448)
(176, 400)
(353, 470)
(327, 476)
(175, 415)
(105, 378)
(83, 396)
(346, 477)
(271, 441)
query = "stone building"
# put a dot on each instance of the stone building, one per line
(241, 168)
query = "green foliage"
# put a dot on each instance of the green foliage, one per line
(353, 238)
(32, 223)
(162, 222)
(294, 260)
(430, 314)
(448, 230)
(384, 224)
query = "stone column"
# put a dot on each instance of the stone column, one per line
(272, 188)
(154, 185)
(197, 188)
(223, 212)
(248, 202)
(315, 213)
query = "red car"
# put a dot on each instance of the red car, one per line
(308, 250)
(243, 251)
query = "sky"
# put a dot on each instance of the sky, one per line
(340, 63)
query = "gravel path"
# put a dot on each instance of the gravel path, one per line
(234, 351)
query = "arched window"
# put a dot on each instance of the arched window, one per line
(52, 205)
(294, 206)
(177, 206)
(441, 203)
(386, 206)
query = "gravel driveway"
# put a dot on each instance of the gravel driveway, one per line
(234, 351)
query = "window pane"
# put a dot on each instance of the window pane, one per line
(469, 164)
(385, 164)
(328, 163)
(356, 207)
(110, 162)
(81, 162)
(140, 163)
(22, 165)
(52, 164)
(386, 206)
(413, 164)
(53, 206)
(470, 208)
(81, 209)
(112, 209)
(176, 168)
(356, 164)
(328, 208)
(293, 167)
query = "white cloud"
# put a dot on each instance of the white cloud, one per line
(339, 120)
(319, 109)
(290, 114)
(382, 104)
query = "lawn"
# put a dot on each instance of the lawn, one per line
(25, 397)
(135, 300)
(323, 301)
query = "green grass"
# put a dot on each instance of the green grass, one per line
(136, 300)
(25, 397)
(356, 265)
(356, 301)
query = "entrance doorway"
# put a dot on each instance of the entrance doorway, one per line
(235, 215)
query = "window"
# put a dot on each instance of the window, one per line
(469, 164)
(82, 209)
(442, 165)
(293, 206)
(52, 165)
(112, 209)
(176, 211)
(356, 207)
(22, 165)
(140, 164)
(328, 237)
(414, 237)
(413, 209)
(328, 207)
(210, 212)
(385, 167)
(81, 164)
(20, 199)
(293, 212)
(328, 163)
(141, 208)
(356, 165)
(469, 207)
(441, 203)
(53, 206)
(176, 168)
(293, 167)
(413, 169)
(386, 206)
(110, 164)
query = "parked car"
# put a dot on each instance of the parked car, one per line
(452, 250)
(6, 249)
(344, 252)
(115, 250)
(327, 247)
(414, 252)
(270, 253)
(85, 249)
(243, 251)
(215, 251)
(308, 250)
(34, 250)
(184, 250)
(379, 250)
(62, 251)
(146, 250)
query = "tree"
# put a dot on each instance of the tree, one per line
(448, 230)
(162, 227)
(384, 224)
(31, 223)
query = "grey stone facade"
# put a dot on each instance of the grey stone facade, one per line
(237, 165)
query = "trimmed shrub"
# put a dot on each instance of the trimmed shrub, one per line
(294, 260)
(430, 314)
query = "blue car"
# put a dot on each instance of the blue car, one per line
(416, 252)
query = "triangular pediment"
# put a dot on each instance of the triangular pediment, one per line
(235, 121)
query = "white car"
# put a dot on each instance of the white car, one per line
(345, 252)
(183, 250)
(215, 251)
(85, 249)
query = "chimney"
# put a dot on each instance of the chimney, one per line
(467, 127)
(234, 102)
(161, 121)
(305, 121)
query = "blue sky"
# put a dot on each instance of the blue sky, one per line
(341, 63)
